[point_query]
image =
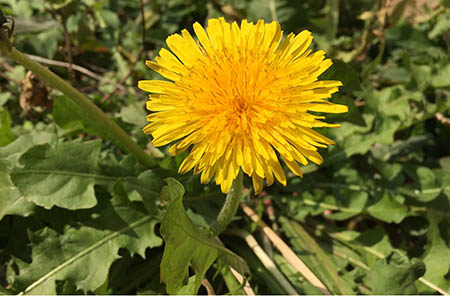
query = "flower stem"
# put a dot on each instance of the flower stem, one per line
(122, 138)
(230, 207)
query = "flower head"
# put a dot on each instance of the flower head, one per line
(239, 97)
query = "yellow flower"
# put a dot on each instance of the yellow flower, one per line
(239, 97)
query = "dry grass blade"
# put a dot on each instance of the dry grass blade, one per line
(287, 253)
(247, 288)
(208, 287)
(265, 260)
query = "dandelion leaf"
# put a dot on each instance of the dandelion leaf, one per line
(83, 253)
(57, 176)
(187, 245)
(395, 275)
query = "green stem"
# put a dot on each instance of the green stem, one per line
(230, 207)
(123, 140)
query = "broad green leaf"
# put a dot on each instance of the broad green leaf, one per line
(12, 152)
(395, 275)
(388, 170)
(400, 147)
(442, 77)
(422, 74)
(375, 242)
(69, 115)
(6, 135)
(145, 188)
(187, 245)
(388, 208)
(134, 114)
(46, 42)
(437, 251)
(425, 177)
(350, 203)
(441, 26)
(11, 200)
(408, 37)
(290, 14)
(4, 97)
(189, 288)
(84, 252)
(62, 175)
(308, 250)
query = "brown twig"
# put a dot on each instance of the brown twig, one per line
(68, 43)
(69, 56)
(78, 68)
(133, 67)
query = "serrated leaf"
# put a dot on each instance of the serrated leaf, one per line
(85, 251)
(187, 245)
(395, 276)
(57, 176)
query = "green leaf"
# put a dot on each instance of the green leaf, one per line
(350, 203)
(6, 135)
(134, 114)
(12, 202)
(353, 115)
(12, 152)
(426, 178)
(375, 243)
(437, 251)
(84, 252)
(388, 208)
(442, 77)
(69, 115)
(395, 276)
(4, 97)
(345, 73)
(187, 245)
(57, 176)
(441, 26)
(290, 14)
(408, 37)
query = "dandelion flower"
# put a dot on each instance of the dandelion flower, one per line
(239, 98)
